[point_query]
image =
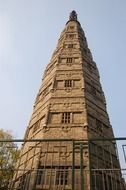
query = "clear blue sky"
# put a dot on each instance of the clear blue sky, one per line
(29, 31)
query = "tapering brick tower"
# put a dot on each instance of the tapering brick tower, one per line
(70, 105)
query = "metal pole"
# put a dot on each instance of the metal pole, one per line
(124, 152)
(55, 140)
(73, 165)
(90, 172)
(81, 167)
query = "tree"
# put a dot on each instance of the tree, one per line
(9, 154)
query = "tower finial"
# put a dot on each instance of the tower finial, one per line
(73, 15)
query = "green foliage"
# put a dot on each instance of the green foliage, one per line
(8, 157)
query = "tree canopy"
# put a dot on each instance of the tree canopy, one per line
(8, 156)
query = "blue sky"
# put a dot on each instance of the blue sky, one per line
(29, 31)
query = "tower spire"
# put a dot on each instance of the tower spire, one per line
(73, 16)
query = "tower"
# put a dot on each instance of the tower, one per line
(70, 107)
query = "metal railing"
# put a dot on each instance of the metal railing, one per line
(63, 164)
